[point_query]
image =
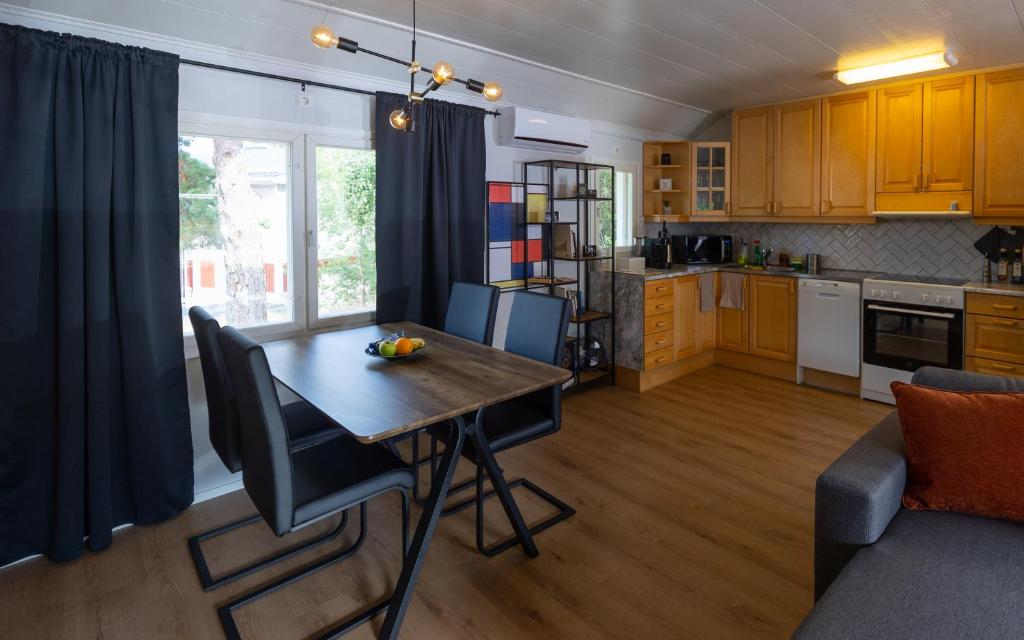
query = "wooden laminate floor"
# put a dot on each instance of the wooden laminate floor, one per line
(695, 516)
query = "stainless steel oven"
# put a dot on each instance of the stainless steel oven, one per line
(910, 336)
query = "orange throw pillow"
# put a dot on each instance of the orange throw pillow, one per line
(965, 451)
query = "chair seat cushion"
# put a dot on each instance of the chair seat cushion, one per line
(931, 575)
(307, 426)
(340, 472)
(506, 425)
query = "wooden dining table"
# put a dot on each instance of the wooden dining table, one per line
(374, 399)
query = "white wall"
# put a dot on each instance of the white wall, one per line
(266, 102)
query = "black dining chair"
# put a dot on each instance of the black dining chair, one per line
(296, 488)
(305, 425)
(472, 309)
(537, 327)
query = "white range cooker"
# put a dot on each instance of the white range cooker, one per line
(909, 322)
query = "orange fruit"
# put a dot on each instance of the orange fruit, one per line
(403, 346)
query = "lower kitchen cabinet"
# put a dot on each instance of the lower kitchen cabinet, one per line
(731, 330)
(994, 367)
(994, 334)
(773, 312)
(705, 322)
(687, 305)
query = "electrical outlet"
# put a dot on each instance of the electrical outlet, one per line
(303, 99)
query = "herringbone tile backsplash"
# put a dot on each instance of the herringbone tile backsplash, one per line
(912, 247)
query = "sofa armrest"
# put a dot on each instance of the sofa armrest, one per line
(856, 498)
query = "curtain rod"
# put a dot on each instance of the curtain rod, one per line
(271, 76)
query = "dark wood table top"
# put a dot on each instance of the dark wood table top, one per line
(375, 399)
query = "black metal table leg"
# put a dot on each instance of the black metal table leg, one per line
(490, 465)
(424, 532)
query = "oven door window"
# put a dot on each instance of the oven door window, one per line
(907, 341)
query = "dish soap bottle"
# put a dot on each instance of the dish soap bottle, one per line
(742, 258)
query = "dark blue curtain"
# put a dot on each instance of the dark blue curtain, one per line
(94, 423)
(430, 207)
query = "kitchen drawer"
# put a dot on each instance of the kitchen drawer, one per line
(658, 288)
(995, 305)
(656, 341)
(658, 306)
(657, 324)
(983, 365)
(658, 358)
(999, 339)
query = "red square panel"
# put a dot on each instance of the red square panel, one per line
(534, 251)
(500, 193)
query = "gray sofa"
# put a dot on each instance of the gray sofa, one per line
(882, 571)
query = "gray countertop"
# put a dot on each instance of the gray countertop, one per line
(842, 275)
(995, 287)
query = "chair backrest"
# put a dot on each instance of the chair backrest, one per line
(537, 326)
(220, 397)
(266, 457)
(471, 311)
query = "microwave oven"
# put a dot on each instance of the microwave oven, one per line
(702, 249)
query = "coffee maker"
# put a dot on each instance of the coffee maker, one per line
(658, 254)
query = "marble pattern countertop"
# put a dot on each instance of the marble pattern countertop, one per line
(842, 275)
(997, 288)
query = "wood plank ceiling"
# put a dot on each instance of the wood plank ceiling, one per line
(719, 54)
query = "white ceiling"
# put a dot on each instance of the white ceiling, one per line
(718, 54)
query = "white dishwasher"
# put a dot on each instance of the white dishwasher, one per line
(828, 327)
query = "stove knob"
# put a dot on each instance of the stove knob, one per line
(926, 297)
(874, 293)
(895, 295)
(949, 299)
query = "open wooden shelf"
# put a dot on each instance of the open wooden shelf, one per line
(590, 316)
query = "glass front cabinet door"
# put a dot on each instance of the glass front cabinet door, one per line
(710, 180)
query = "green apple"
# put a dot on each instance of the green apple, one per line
(386, 349)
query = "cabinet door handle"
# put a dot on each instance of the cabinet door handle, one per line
(1002, 367)
(1004, 323)
(1004, 307)
(778, 207)
(927, 181)
(728, 207)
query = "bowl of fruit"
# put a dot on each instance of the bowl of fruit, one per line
(396, 346)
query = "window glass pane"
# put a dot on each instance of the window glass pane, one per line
(602, 233)
(346, 269)
(702, 200)
(718, 178)
(235, 209)
(702, 178)
(718, 200)
(703, 154)
(719, 157)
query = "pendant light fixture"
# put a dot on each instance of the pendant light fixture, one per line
(441, 73)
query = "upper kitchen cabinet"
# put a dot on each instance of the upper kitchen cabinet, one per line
(899, 139)
(666, 181)
(797, 160)
(752, 162)
(925, 143)
(999, 148)
(848, 154)
(709, 179)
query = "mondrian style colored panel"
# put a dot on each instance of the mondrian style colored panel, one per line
(516, 232)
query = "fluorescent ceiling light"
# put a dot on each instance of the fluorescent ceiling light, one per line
(907, 66)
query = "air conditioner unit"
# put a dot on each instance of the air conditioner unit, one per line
(530, 129)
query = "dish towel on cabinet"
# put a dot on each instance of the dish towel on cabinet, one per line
(732, 291)
(707, 292)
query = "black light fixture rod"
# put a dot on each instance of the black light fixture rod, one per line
(384, 56)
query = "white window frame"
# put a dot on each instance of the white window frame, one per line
(198, 126)
(627, 167)
(342, 321)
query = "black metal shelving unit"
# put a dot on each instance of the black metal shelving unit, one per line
(568, 186)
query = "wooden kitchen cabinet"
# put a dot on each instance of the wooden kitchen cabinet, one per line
(796, 156)
(773, 310)
(898, 162)
(687, 305)
(731, 326)
(925, 145)
(947, 138)
(848, 154)
(751, 175)
(659, 323)
(1000, 339)
(709, 179)
(999, 172)
(994, 367)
